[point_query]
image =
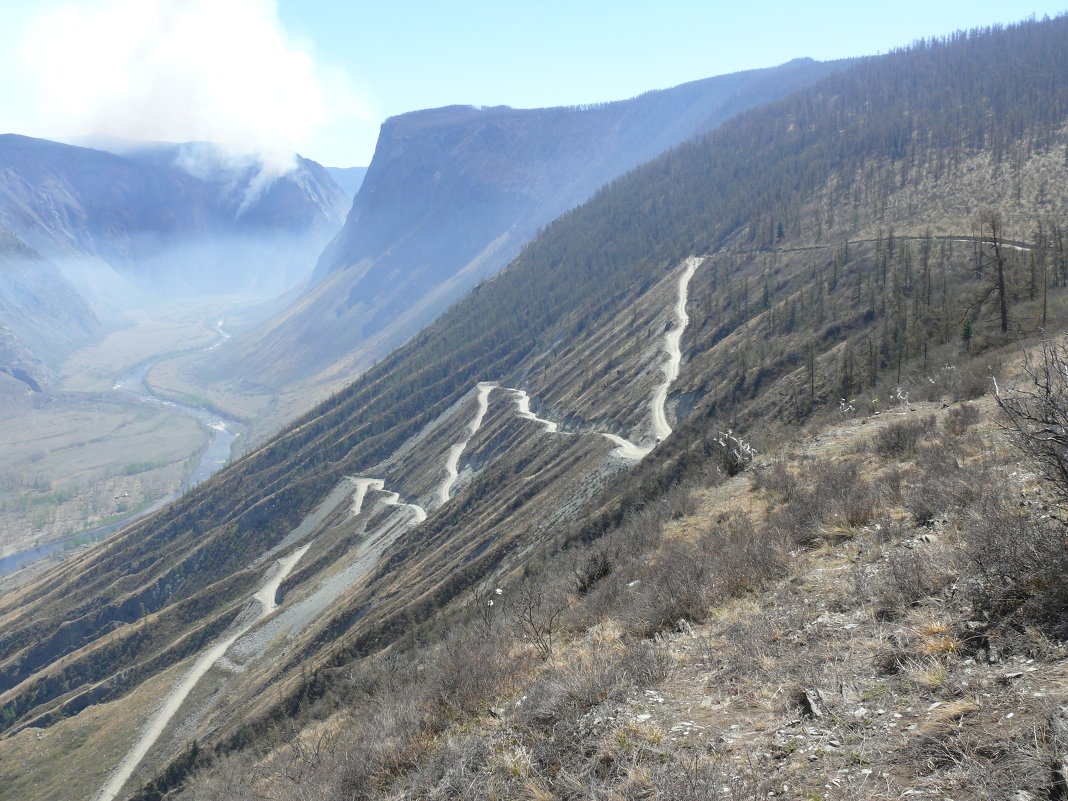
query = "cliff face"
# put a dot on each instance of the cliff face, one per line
(452, 195)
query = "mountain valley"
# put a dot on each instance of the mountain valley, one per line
(82, 307)
(684, 502)
(450, 198)
(250, 250)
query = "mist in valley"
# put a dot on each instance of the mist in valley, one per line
(90, 310)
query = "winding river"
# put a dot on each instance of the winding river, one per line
(215, 454)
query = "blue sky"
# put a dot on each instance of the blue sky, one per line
(409, 55)
(319, 76)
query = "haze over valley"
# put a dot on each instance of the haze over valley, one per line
(453, 194)
(706, 444)
(114, 262)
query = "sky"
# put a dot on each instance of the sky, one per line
(318, 77)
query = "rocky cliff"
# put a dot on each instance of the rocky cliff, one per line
(451, 196)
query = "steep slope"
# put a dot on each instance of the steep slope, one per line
(799, 297)
(453, 193)
(877, 665)
(38, 309)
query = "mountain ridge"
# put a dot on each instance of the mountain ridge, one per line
(793, 309)
(116, 225)
(451, 196)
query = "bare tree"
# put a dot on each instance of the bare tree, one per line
(1038, 413)
(991, 265)
(536, 616)
(489, 608)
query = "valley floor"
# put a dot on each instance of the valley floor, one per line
(90, 454)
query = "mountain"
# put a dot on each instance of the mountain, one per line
(262, 191)
(862, 242)
(37, 305)
(450, 197)
(174, 218)
(132, 211)
(41, 319)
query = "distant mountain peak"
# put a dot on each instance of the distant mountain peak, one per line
(180, 218)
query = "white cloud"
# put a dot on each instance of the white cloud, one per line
(174, 70)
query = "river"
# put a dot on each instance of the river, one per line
(212, 458)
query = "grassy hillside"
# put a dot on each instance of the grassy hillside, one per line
(857, 616)
(880, 236)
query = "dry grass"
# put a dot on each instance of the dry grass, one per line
(716, 659)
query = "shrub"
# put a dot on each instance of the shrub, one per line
(894, 481)
(925, 501)
(745, 558)
(960, 418)
(469, 666)
(646, 664)
(565, 693)
(677, 588)
(729, 452)
(452, 770)
(858, 504)
(838, 496)
(942, 482)
(1021, 566)
(847, 497)
(975, 383)
(898, 440)
(536, 612)
(678, 502)
(595, 566)
(692, 779)
(775, 477)
(1038, 413)
(908, 578)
